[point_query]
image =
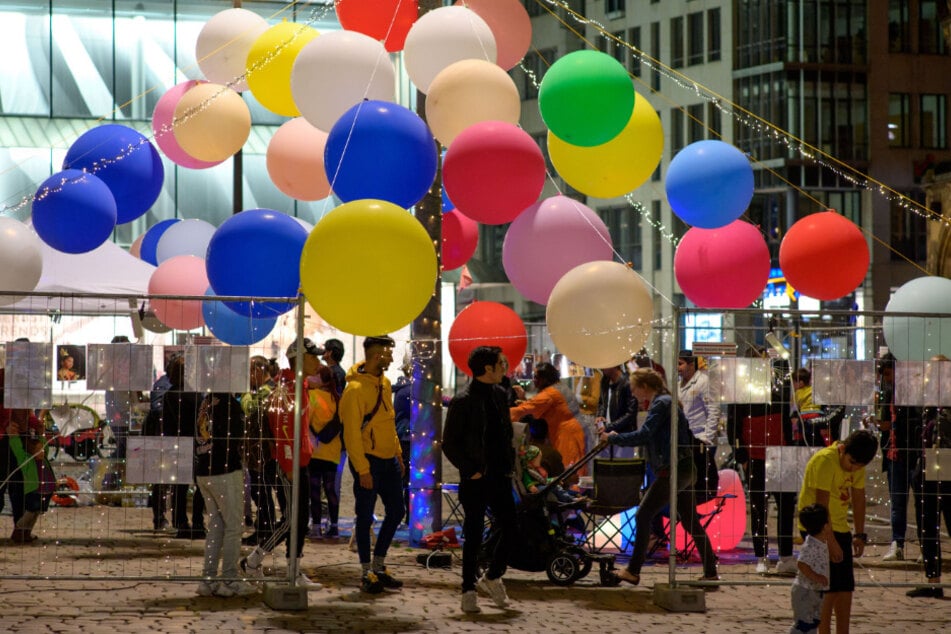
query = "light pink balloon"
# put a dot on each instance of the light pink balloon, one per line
(727, 267)
(460, 237)
(181, 275)
(295, 160)
(549, 239)
(510, 25)
(135, 249)
(163, 131)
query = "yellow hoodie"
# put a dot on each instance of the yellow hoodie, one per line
(378, 438)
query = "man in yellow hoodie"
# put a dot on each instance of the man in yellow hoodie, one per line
(369, 432)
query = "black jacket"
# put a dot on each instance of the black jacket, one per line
(477, 437)
(622, 406)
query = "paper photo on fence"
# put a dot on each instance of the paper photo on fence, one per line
(217, 369)
(742, 381)
(843, 382)
(785, 468)
(119, 366)
(938, 464)
(28, 378)
(159, 459)
(923, 383)
(70, 363)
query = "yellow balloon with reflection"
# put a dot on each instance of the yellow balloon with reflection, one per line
(349, 261)
(270, 61)
(619, 166)
(211, 122)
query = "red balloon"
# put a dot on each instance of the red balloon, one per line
(727, 527)
(493, 171)
(460, 237)
(824, 256)
(487, 324)
(387, 21)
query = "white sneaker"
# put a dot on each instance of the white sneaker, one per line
(206, 588)
(762, 566)
(306, 582)
(894, 553)
(235, 589)
(470, 602)
(495, 589)
(786, 566)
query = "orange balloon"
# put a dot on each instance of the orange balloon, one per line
(211, 122)
(295, 160)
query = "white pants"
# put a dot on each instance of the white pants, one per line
(224, 519)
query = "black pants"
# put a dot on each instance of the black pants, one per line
(935, 497)
(262, 485)
(759, 511)
(495, 494)
(282, 532)
(323, 477)
(180, 507)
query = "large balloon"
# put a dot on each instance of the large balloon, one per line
(496, 153)
(151, 239)
(599, 314)
(295, 160)
(824, 255)
(586, 98)
(21, 259)
(212, 122)
(444, 36)
(232, 328)
(617, 167)
(460, 237)
(728, 526)
(486, 324)
(338, 70)
(74, 211)
(270, 62)
(549, 239)
(368, 267)
(468, 92)
(384, 20)
(125, 161)
(709, 184)
(163, 127)
(383, 151)
(188, 237)
(224, 43)
(919, 338)
(510, 25)
(722, 268)
(182, 275)
(256, 253)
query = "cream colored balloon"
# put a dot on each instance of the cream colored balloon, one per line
(468, 92)
(223, 44)
(211, 122)
(599, 314)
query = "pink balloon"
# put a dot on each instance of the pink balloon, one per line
(549, 239)
(162, 119)
(510, 25)
(460, 237)
(135, 249)
(181, 275)
(295, 160)
(727, 267)
(492, 171)
(727, 527)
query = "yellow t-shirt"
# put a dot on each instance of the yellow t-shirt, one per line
(824, 472)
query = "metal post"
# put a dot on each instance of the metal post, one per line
(295, 461)
(674, 424)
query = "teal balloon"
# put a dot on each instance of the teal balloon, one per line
(586, 98)
(232, 328)
(912, 338)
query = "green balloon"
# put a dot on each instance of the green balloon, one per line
(586, 98)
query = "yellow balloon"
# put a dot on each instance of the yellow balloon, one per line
(368, 267)
(211, 122)
(270, 61)
(619, 166)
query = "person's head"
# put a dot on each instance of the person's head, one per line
(377, 354)
(545, 374)
(613, 373)
(801, 378)
(260, 371)
(333, 352)
(814, 518)
(175, 370)
(533, 455)
(67, 361)
(537, 429)
(120, 339)
(486, 364)
(857, 450)
(686, 364)
(647, 383)
(311, 355)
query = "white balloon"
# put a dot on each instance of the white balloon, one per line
(188, 237)
(442, 37)
(21, 259)
(912, 338)
(223, 45)
(338, 70)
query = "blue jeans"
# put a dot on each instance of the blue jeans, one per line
(224, 504)
(388, 485)
(899, 481)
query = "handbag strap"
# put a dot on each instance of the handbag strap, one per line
(376, 408)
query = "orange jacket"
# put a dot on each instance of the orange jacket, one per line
(564, 430)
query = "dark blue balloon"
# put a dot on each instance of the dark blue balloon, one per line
(256, 253)
(383, 151)
(709, 184)
(150, 241)
(73, 212)
(125, 161)
(447, 205)
(232, 328)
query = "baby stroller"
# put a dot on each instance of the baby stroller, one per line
(541, 544)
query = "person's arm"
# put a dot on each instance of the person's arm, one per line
(835, 551)
(712, 407)
(658, 414)
(456, 445)
(351, 415)
(858, 517)
(535, 406)
(812, 575)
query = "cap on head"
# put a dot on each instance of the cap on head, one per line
(309, 347)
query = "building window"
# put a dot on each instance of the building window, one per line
(620, 50)
(898, 38)
(930, 37)
(625, 226)
(614, 8)
(909, 231)
(536, 63)
(898, 132)
(655, 53)
(714, 121)
(695, 38)
(534, 8)
(934, 121)
(676, 130)
(634, 38)
(677, 42)
(713, 35)
(656, 241)
(695, 123)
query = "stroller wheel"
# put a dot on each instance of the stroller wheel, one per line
(584, 561)
(564, 568)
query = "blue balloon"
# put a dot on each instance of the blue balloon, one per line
(383, 151)
(232, 328)
(256, 253)
(125, 161)
(147, 251)
(447, 205)
(709, 184)
(73, 212)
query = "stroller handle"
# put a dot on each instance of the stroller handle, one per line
(573, 469)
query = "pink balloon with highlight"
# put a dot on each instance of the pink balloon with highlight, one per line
(162, 119)
(295, 160)
(460, 237)
(727, 267)
(181, 275)
(727, 527)
(510, 25)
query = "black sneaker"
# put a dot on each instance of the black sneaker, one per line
(371, 583)
(924, 592)
(390, 582)
(332, 531)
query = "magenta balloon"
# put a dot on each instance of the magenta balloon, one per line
(726, 267)
(460, 237)
(549, 239)
(162, 119)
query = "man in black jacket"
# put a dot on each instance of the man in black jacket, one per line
(477, 439)
(617, 408)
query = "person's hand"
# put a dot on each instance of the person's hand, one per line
(605, 436)
(476, 476)
(399, 461)
(519, 391)
(366, 480)
(858, 546)
(835, 552)
(533, 489)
